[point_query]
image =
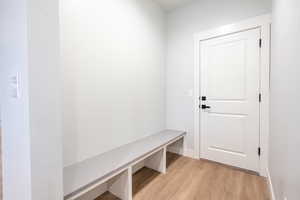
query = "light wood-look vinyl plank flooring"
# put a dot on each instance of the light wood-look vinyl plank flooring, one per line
(189, 179)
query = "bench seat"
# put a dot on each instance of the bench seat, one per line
(81, 175)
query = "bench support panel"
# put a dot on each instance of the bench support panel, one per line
(158, 161)
(121, 185)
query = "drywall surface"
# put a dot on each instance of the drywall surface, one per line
(31, 114)
(169, 5)
(182, 24)
(14, 111)
(284, 162)
(44, 75)
(114, 74)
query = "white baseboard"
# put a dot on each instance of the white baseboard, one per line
(93, 194)
(270, 185)
(185, 152)
(189, 153)
(138, 166)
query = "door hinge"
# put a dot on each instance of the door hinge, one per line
(259, 97)
(259, 151)
(260, 43)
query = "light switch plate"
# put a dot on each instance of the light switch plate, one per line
(14, 84)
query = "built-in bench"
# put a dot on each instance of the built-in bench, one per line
(112, 171)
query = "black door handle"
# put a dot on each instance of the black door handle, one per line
(205, 107)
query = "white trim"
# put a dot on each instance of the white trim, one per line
(264, 23)
(265, 92)
(138, 166)
(271, 189)
(96, 192)
(189, 153)
(186, 152)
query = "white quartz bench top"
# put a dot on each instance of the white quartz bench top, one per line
(79, 175)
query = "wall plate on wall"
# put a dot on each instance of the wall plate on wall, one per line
(14, 84)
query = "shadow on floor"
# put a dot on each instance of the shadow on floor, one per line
(172, 158)
(142, 178)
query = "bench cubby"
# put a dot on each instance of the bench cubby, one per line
(112, 171)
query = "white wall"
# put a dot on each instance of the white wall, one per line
(45, 85)
(32, 153)
(183, 23)
(113, 62)
(285, 97)
(15, 112)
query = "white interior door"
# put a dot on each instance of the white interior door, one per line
(230, 71)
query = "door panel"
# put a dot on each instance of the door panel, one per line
(227, 70)
(230, 68)
(228, 126)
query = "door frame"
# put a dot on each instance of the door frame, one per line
(264, 23)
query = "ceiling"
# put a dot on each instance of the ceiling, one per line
(172, 4)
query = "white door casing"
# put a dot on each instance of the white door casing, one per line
(230, 79)
(264, 23)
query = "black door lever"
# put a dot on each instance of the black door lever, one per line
(205, 107)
